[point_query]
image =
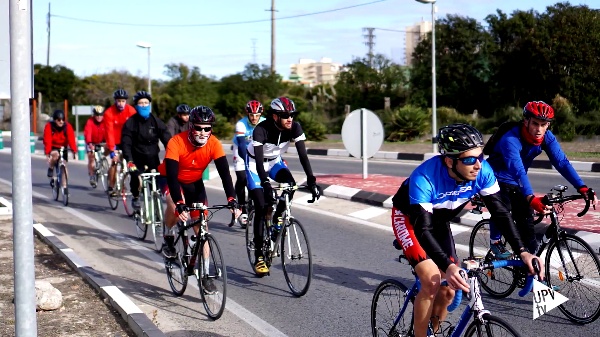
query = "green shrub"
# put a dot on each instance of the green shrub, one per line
(406, 123)
(222, 128)
(313, 128)
(490, 125)
(446, 116)
(564, 119)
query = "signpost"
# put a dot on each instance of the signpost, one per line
(362, 134)
(81, 110)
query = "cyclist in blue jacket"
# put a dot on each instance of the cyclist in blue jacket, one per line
(512, 156)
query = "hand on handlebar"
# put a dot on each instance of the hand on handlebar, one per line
(182, 211)
(315, 189)
(538, 204)
(534, 264)
(588, 194)
(455, 278)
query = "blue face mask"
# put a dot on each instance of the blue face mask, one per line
(144, 111)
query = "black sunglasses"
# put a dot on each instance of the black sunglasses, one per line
(201, 128)
(59, 120)
(286, 115)
(471, 160)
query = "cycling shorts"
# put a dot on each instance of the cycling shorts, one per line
(191, 193)
(405, 235)
(272, 166)
(65, 153)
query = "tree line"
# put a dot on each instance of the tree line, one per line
(485, 74)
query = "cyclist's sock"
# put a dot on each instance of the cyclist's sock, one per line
(206, 265)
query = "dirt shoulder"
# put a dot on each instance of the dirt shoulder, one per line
(83, 312)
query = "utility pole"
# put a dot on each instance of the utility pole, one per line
(48, 29)
(254, 51)
(370, 43)
(272, 36)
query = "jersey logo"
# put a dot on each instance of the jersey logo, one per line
(462, 189)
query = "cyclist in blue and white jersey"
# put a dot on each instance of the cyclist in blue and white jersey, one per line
(270, 139)
(243, 136)
(426, 202)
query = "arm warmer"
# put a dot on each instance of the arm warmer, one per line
(172, 168)
(301, 148)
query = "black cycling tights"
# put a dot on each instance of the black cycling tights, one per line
(258, 196)
(240, 186)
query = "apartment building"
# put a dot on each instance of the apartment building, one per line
(414, 34)
(311, 73)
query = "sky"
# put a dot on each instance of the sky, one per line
(219, 50)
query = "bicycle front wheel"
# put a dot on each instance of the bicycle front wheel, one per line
(126, 193)
(157, 222)
(390, 296)
(296, 258)
(212, 277)
(500, 282)
(573, 267)
(176, 268)
(102, 174)
(64, 190)
(491, 326)
(141, 227)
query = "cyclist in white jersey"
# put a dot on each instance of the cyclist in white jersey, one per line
(243, 136)
(269, 139)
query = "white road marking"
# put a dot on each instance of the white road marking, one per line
(369, 213)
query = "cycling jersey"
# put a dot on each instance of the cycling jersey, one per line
(430, 198)
(274, 141)
(113, 124)
(243, 137)
(55, 137)
(94, 131)
(512, 157)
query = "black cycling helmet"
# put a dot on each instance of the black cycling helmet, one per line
(455, 139)
(202, 115)
(141, 94)
(98, 110)
(58, 114)
(120, 94)
(183, 109)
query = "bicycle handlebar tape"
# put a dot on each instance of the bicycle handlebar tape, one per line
(81, 147)
(32, 141)
(456, 302)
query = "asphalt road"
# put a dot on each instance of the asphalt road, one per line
(350, 259)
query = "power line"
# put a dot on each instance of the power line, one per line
(214, 24)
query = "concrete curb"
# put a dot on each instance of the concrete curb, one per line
(141, 325)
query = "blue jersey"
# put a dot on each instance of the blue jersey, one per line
(512, 157)
(243, 131)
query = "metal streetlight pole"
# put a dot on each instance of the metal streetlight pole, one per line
(147, 46)
(433, 75)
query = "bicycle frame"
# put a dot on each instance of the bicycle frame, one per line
(59, 166)
(149, 190)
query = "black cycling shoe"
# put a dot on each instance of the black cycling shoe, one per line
(50, 171)
(208, 286)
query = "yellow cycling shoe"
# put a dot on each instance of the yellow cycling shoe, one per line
(260, 267)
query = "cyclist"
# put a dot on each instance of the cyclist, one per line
(94, 134)
(139, 141)
(58, 133)
(179, 123)
(187, 156)
(243, 136)
(511, 157)
(114, 119)
(426, 202)
(270, 138)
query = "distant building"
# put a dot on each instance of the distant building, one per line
(414, 34)
(311, 73)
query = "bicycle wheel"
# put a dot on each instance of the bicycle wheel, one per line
(572, 266)
(296, 258)
(55, 185)
(64, 181)
(102, 174)
(141, 227)
(250, 238)
(492, 326)
(176, 268)
(388, 299)
(501, 282)
(213, 277)
(126, 194)
(157, 223)
(113, 201)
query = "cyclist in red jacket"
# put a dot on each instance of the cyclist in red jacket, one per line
(94, 134)
(114, 119)
(58, 133)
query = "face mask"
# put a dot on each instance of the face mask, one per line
(144, 111)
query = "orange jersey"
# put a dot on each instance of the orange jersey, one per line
(113, 124)
(192, 160)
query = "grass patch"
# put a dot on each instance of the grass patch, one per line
(583, 154)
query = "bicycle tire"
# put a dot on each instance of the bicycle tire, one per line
(296, 258)
(214, 303)
(498, 283)
(383, 324)
(574, 289)
(176, 268)
(126, 194)
(102, 174)
(54, 184)
(113, 201)
(65, 178)
(157, 222)
(491, 323)
(141, 227)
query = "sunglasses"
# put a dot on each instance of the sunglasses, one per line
(59, 120)
(286, 115)
(201, 128)
(471, 160)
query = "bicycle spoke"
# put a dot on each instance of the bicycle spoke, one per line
(389, 298)
(175, 269)
(212, 277)
(296, 258)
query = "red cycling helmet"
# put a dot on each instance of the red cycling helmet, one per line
(254, 107)
(539, 110)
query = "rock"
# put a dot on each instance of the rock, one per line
(46, 296)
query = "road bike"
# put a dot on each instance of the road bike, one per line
(572, 267)
(290, 242)
(100, 166)
(392, 315)
(199, 256)
(121, 190)
(59, 182)
(150, 213)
